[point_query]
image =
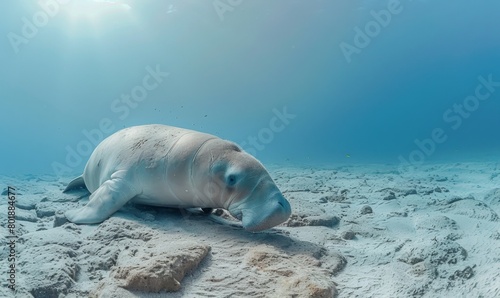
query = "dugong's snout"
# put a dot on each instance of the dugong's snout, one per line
(273, 212)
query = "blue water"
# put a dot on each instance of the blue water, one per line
(234, 66)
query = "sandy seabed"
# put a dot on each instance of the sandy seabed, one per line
(355, 231)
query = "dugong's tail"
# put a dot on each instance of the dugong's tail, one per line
(76, 183)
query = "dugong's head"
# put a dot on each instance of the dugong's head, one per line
(232, 179)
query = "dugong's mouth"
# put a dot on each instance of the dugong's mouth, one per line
(256, 218)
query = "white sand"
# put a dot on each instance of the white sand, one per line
(433, 232)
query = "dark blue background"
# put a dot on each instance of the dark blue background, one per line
(228, 73)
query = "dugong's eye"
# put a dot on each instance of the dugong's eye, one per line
(231, 180)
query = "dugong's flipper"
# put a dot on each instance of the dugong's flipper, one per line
(75, 184)
(106, 200)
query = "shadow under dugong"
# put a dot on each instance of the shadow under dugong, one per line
(167, 166)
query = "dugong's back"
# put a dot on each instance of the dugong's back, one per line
(135, 147)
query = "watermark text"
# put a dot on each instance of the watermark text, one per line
(454, 117)
(11, 238)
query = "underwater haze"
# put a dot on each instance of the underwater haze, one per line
(299, 82)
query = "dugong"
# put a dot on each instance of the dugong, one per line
(167, 166)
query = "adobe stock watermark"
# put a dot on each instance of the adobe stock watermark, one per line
(31, 26)
(224, 6)
(364, 36)
(214, 190)
(265, 136)
(120, 107)
(278, 122)
(455, 117)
